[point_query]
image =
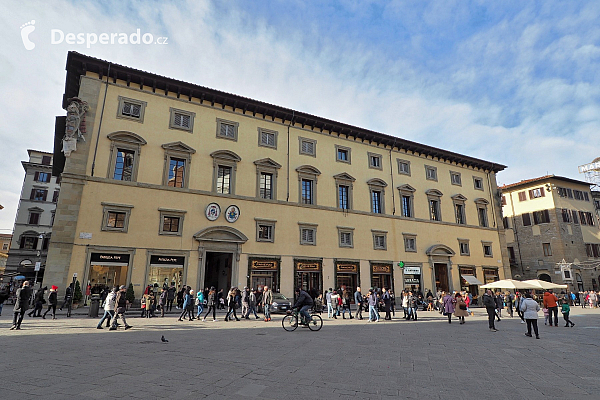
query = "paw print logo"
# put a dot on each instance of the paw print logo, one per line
(26, 30)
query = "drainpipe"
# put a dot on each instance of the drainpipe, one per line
(100, 122)
(287, 197)
(392, 177)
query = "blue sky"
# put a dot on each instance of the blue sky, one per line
(515, 82)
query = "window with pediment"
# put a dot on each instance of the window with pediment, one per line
(178, 157)
(125, 150)
(224, 171)
(266, 178)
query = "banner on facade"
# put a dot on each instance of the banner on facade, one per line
(157, 261)
(109, 259)
(382, 269)
(347, 268)
(265, 264)
(308, 267)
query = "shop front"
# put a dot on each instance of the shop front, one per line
(412, 278)
(108, 270)
(468, 280)
(263, 272)
(165, 271)
(347, 275)
(308, 276)
(490, 275)
(381, 276)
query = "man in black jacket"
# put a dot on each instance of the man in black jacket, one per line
(121, 307)
(489, 303)
(23, 296)
(359, 300)
(304, 302)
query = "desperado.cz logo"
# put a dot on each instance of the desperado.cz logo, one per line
(57, 36)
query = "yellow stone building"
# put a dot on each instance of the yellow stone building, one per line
(173, 182)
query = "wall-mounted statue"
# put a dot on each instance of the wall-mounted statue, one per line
(75, 124)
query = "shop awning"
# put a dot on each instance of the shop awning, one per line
(471, 280)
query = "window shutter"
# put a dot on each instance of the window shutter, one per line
(126, 108)
(22, 243)
(531, 194)
(45, 195)
(185, 121)
(542, 192)
(546, 213)
(32, 196)
(36, 176)
(135, 110)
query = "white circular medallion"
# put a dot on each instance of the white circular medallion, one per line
(212, 212)
(232, 213)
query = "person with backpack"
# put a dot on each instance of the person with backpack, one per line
(200, 303)
(211, 303)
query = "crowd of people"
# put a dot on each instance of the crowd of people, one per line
(336, 302)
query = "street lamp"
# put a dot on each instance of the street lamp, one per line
(38, 264)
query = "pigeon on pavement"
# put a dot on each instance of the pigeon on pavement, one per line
(162, 339)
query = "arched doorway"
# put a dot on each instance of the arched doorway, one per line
(545, 278)
(441, 265)
(219, 252)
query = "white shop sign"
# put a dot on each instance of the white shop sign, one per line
(412, 270)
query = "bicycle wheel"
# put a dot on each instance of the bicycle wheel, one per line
(289, 323)
(316, 323)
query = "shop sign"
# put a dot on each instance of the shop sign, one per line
(110, 258)
(212, 212)
(411, 281)
(381, 269)
(412, 270)
(167, 260)
(232, 213)
(347, 268)
(265, 264)
(308, 267)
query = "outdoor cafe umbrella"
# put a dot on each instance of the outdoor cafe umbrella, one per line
(19, 278)
(508, 284)
(539, 284)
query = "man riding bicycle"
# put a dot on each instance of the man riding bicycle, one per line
(304, 302)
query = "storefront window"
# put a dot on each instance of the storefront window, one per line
(412, 279)
(264, 273)
(165, 271)
(346, 276)
(381, 276)
(308, 277)
(108, 270)
(466, 285)
(490, 275)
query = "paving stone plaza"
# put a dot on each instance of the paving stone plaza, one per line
(426, 359)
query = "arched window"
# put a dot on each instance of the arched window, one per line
(545, 278)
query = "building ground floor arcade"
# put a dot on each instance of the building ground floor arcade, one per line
(219, 260)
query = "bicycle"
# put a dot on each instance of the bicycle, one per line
(290, 321)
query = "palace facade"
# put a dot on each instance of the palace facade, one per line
(171, 182)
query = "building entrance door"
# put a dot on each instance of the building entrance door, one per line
(309, 281)
(217, 270)
(441, 277)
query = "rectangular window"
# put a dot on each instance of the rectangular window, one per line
(379, 242)
(483, 219)
(434, 209)
(38, 194)
(267, 138)
(170, 224)
(536, 193)
(582, 219)
(522, 196)
(29, 242)
(131, 110)
(307, 191)
(487, 250)
(505, 223)
(46, 160)
(343, 197)
(464, 248)
(586, 197)
(562, 192)
(569, 193)
(42, 177)
(588, 249)
(547, 249)
(124, 165)
(176, 172)
(407, 206)
(224, 179)
(410, 244)
(266, 184)
(430, 173)
(55, 196)
(455, 178)
(376, 201)
(526, 219)
(342, 154)
(460, 213)
(346, 239)
(404, 167)
(34, 218)
(578, 194)
(597, 204)
(596, 250)
(307, 236)
(308, 147)
(590, 218)
(227, 130)
(478, 183)
(375, 160)
(116, 220)
(541, 217)
(575, 217)
(511, 254)
(265, 233)
(566, 215)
